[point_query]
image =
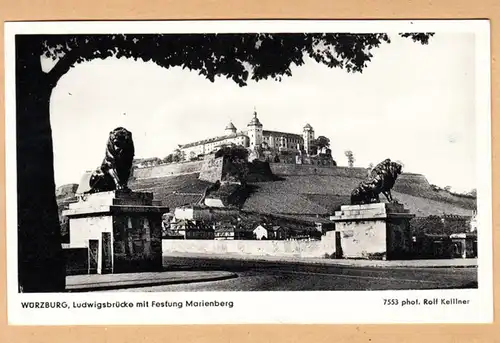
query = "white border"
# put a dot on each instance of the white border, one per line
(341, 307)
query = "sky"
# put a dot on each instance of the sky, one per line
(414, 103)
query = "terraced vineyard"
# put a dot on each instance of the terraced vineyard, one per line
(309, 194)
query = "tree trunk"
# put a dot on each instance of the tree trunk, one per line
(41, 265)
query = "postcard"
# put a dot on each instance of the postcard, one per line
(248, 171)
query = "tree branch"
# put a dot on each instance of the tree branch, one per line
(62, 67)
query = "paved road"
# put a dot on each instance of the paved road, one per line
(273, 276)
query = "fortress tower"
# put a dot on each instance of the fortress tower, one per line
(254, 131)
(308, 135)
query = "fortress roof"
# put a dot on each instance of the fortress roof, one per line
(308, 126)
(255, 121)
(230, 126)
(212, 140)
(279, 134)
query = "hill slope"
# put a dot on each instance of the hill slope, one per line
(309, 194)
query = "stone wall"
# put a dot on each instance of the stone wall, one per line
(297, 169)
(305, 249)
(135, 245)
(276, 168)
(168, 170)
(211, 170)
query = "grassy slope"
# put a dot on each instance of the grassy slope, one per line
(173, 191)
(312, 194)
(321, 194)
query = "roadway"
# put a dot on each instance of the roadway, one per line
(277, 276)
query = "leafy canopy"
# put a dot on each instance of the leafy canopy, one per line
(321, 142)
(350, 157)
(233, 152)
(240, 57)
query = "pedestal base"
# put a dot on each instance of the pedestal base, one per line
(373, 231)
(121, 230)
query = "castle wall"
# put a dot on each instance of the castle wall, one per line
(211, 170)
(168, 170)
(297, 169)
(276, 168)
(196, 150)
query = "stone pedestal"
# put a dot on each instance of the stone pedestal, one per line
(121, 230)
(373, 231)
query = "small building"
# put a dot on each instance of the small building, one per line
(191, 229)
(279, 233)
(260, 232)
(225, 231)
(464, 245)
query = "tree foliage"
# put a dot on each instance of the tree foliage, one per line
(168, 159)
(321, 142)
(350, 158)
(233, 152)
(239, 57)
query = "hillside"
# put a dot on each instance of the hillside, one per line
(298, 191)
(309, 194)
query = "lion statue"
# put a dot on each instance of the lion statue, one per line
(115, 169)
(381, 180)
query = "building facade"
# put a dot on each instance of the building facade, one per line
(252, 137)
(260, 232)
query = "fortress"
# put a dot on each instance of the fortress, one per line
(253, 137)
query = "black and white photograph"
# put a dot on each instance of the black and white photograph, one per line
(191, 172)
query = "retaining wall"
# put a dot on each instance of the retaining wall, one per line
(311, 249)
(276, 168)
(303, 169)
(211, 170)
(168, 170)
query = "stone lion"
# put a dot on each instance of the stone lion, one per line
(382, 179)
(115, 169)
